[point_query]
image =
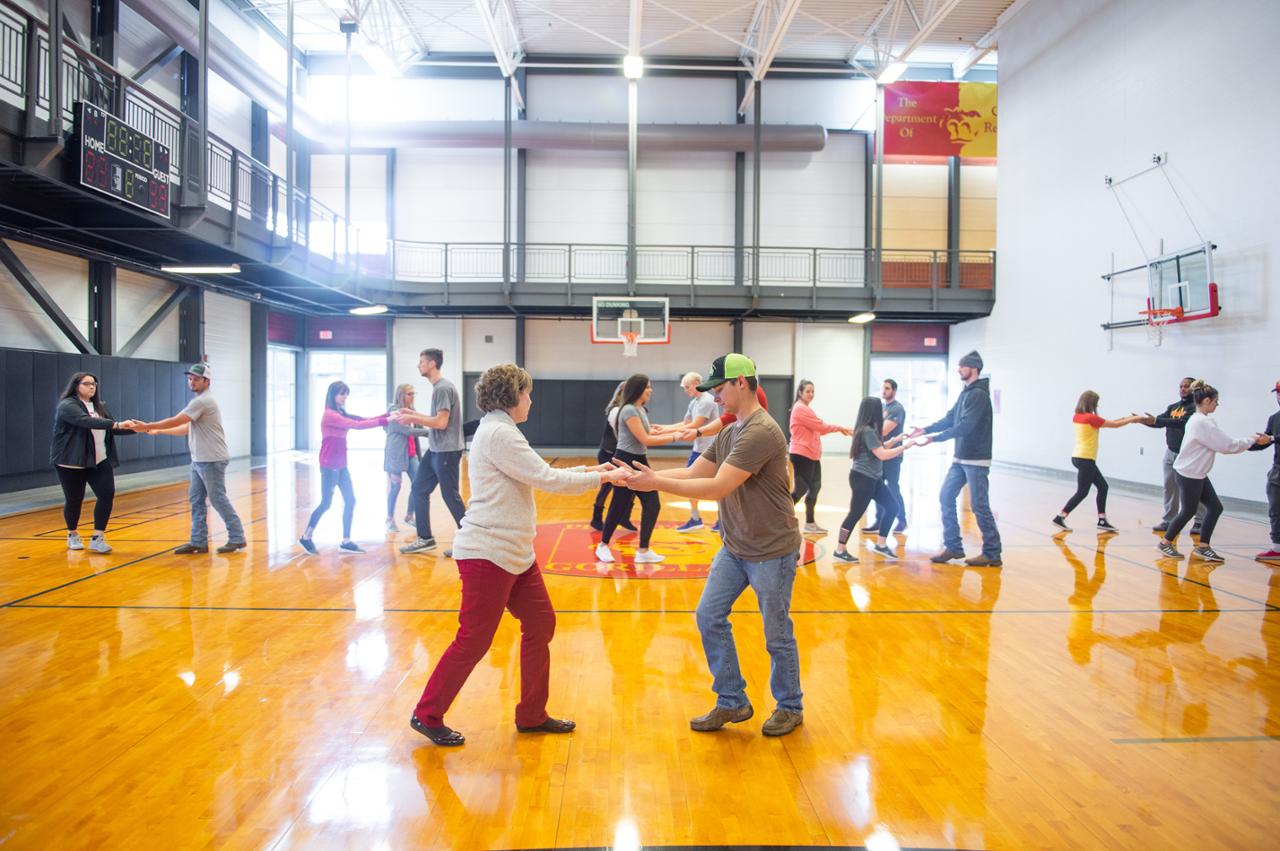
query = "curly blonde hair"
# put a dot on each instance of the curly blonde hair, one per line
(500, 387)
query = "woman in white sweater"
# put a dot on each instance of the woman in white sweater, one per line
(494, 553)
(1201, 443)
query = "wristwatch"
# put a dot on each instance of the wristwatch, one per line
(698, 432)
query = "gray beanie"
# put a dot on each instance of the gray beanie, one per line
(973, 359)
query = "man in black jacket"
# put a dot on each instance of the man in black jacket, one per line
(969, 424)
(1272, 554)
(1174, 422)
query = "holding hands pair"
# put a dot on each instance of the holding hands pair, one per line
(132, 425)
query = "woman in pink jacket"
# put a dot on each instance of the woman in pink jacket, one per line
(334, 426)
(807, 430)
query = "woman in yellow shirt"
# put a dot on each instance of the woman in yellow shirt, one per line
(1085, 459)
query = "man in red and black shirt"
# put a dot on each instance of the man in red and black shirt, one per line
(1174, 422)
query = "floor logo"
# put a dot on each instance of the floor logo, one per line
(568, 549)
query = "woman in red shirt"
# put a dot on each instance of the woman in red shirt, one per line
(807, 429)
(334, 426)
(1085, 459)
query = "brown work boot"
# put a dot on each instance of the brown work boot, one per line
(781, 722)
(719, 716)
(983, 561)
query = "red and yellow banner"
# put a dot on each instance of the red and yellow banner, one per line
(925, 119)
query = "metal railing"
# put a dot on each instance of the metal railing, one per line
(235, 181)
(692, 265)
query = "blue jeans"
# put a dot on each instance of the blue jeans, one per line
(772, 581)
(209, 479)
(437, 468)
(976, 478)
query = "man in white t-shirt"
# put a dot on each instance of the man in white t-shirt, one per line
(702, 410)
(201, 422)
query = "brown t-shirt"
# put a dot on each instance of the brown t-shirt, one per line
(758, 518)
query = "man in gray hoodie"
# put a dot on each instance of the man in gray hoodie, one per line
(969, 424)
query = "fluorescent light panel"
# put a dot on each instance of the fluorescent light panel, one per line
(633, 67)
(862, 318)
(891, 73)
(368, 310)
(205, 269)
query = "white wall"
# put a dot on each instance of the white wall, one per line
(226, 321)
(138, 296)
(814, 200)
(831, 356)
(487, 342)
(835, 104)
(562, 348)
(23, 324)
(1058, 226)
(450, 195)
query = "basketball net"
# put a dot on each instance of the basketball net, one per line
(1157, 319)
(630, 344)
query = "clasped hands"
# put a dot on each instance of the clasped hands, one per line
(634, 476)
(134, 425)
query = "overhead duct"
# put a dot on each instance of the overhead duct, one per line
(180, 22)
(573, 136)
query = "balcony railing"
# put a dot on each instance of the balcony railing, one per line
(236, 181)
(689, 265)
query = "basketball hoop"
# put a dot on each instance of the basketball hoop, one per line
(1157, 318)
(630, 343)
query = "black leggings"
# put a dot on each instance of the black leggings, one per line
(341, 479)
(808, 481)
(1087, 475)
(624, 498)
(866, 489)
(102, 479)
(1193, 492)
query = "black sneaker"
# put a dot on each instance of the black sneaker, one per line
(308, 545)
(1061, 523)
(1206, 553)
(1167, 549)
(188, 549)
(1104, 525)
(885, 552)
(845, 556)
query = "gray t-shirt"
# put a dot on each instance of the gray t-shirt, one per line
(702, 405)
(205, 437)
(894, 411)
(626, 440)
(444, 397)
(865, 462)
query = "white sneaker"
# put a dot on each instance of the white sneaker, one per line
(649, 557)
(814, 529)
(74, 542)
(98, 543)
(603, 553)
(391, 525)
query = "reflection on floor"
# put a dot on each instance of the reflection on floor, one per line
(1087, 695)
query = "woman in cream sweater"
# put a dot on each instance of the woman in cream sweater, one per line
(494, 552)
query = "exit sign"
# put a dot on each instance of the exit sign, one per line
(325, 334)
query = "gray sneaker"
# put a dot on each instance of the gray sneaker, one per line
(1206, 553)
(420, 545)
(719, 716)
(1167, 549)
(781, 722)
(98, 543)
(74, 542)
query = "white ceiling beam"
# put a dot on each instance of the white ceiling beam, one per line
(704, 24)
(777, 29)
(562, 19)
(940, 14)
(870, 32)
(504, 39)
(637, 19)
(701, 25)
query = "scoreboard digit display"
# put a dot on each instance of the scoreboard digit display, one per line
(121, 162)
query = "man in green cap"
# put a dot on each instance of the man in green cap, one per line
(745, 470)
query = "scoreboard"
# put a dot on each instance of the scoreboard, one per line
(119, 161)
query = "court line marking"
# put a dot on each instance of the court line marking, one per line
(1192, 740)
(14, 603)
(402, 611)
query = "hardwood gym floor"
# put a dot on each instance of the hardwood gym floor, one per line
(1087, 695)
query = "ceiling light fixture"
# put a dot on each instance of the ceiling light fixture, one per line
(862, 318)
(891, 73)
(633, 67)
(368, 310)
(205, 269)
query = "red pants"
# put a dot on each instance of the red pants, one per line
(486, 590)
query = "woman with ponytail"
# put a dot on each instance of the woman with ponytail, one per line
(334, 425)
(1202, 442)
(1085, 459)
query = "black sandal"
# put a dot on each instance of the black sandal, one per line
(551, 725)
(442, 735)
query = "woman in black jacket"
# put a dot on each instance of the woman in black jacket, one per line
(84, 453)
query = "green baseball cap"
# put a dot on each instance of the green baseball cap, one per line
(200, 370)
(727, 368)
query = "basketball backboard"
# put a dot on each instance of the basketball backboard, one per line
(630, 321)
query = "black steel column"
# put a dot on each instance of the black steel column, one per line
(104, 24)
(102, 306)
(522, 174)
(258, 376)
(191, 328)
(953, 221)
(737, 335)
(755, 197)
(740, 196)
(633, 106)
(506, 187)
(346, 159)
(868, 205)
(390, 214)
(260, 150)
(520, 341)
